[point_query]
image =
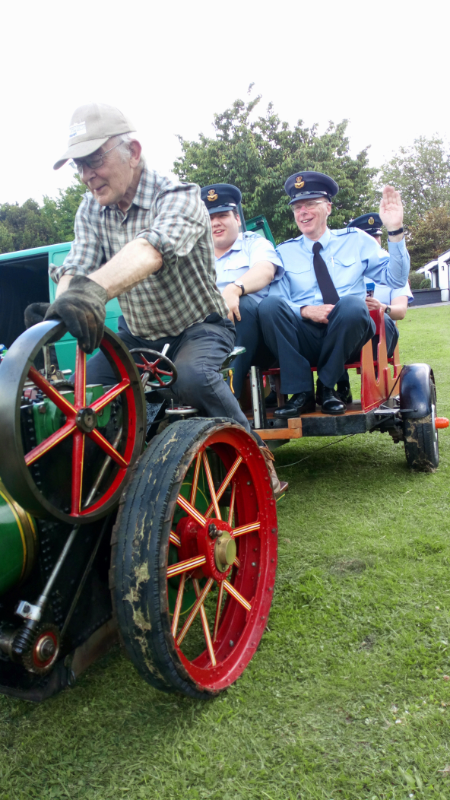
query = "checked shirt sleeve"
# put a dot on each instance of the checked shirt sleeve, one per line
(87, 253)
(180, 221)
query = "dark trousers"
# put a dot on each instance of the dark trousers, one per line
(299, 344)
(249, 335)
(198, 354)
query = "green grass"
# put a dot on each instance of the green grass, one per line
(346, 696)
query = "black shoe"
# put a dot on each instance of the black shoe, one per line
(301, 403)
(271, 400)
(343, 392)
(330, 403)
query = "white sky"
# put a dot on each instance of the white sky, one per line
(170, 65)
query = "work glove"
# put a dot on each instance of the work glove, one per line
(35, 313)
(82, 309)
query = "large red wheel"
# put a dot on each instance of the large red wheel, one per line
(194, 557)
(65, 454)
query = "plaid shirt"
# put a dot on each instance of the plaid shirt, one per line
(173, 218)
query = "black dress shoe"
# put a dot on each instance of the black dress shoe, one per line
(330, 403)
(301, 403)
(343, 392)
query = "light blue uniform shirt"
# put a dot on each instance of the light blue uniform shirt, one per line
(386, 295)
(350, 255)
(248, 249)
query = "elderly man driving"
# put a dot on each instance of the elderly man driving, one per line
(146, 240)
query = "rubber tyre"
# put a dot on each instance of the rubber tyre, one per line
(140, 557)
(421, 439)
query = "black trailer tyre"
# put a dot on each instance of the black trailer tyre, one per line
(421, 438)
(194, 557)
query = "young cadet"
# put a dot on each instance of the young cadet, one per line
(246, 265)
(316, 315)
(394, 302)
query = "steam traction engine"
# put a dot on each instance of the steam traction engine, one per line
(107, 530)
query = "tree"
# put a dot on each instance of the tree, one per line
(257, 155)
(30, 225)
(61, 212)
(429, 237)
(421, 173)
(26, 226)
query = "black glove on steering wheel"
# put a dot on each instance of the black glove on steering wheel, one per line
(82, 309)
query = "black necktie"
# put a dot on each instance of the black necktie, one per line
(326, 285)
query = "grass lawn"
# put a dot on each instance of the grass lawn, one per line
(348, 695)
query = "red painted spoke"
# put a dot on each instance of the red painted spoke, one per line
(212, 490)
(253, 526)
(109, 396)
(185, 566)
(77, 471)
(230, 474)
(194, 611)
(97, 437)
(174, 539)
(205, 625)
(52, 441)
(194, 486)
(80, 379)
(218, 610)
(186, 506)
(236, 562)
(232, 501)
(58, 399)
(237, 595)
(178, 604)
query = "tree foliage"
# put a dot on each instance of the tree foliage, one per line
(258, 154)
(421, 173)
(31, 225)
(429, 237)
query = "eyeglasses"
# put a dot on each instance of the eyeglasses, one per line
(308, 203)
(93, 162)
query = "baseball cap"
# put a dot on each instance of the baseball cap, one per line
(90, 127)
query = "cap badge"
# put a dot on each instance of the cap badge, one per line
(299, 183)
(212, 195)
(371, 221)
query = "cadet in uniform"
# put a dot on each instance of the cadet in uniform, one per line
(393, 301)
(246, 264)
(316, 315)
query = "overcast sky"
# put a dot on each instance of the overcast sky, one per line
(170, 66)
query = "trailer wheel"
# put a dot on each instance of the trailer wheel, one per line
(194, 554)
(421, 438)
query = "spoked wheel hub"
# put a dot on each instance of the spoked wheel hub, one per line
(209, 547)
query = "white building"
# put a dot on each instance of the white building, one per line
(438, 272)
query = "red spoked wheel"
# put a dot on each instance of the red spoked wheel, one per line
(194, 557)
(66, 453)
(152, 369)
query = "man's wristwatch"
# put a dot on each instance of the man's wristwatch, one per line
(387, 310)
(395, 233)
(241, 286)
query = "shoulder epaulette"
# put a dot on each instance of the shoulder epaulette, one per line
(297, 239)
(344, 231)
